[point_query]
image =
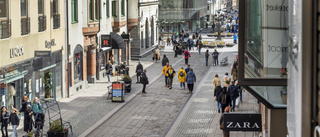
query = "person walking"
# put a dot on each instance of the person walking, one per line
(14, 120)
(207, 56)
(175, 48)
(193, 36)
(191, 79)
(235, 37)
(200, 46)
(139, 70)
(4, 119)
(225, 133)
(108, 70)
(170, 74)
(165, 60)
(156, 54)
(164, 71)
(187, 69)
(27, 118)
(168, 41)
(233, 92)
(197, 43)
(160, 39)
(36, 107)
(215, 82)
(234, 72)
(226, 80)
(217, 91)
(186, 56)
(215, 55)
(144, 81)
(182, 77)
(224, 99)
(213, 27)
(200, 37)
(190, 43)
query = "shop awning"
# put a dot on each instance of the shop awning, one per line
(117, 41)
(13, 77)
(105, 49)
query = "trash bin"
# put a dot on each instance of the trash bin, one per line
(118, 88)
(128, 86)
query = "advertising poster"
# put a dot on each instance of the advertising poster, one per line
(37, 86)
(117, 92)
(30, 82)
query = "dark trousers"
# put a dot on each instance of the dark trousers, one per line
(216, 62)
(223, 107)
(186, 60)
(190, 87)
(233, 103)
(207, 61)
(175, 53)
(226, 134)
(166, 81)
(5, 126)
(235, 41)
(144, 88)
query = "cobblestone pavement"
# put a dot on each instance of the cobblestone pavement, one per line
(199, 118)
(152, 114)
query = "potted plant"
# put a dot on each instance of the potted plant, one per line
(220, 44)
(127, 80)
(47, 84)
(229, 34)
(283, 73)
(230, 44)
(57, 129)
(215, 34)
(223, 34)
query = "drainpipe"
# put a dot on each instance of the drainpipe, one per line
(128, 41)
(68, 49)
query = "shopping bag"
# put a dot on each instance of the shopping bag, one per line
(237, 102)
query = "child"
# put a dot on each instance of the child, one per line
(14, 119)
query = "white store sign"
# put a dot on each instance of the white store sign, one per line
(16, 52)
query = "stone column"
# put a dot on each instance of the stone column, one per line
(91, 63)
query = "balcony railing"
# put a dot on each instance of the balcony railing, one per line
(5, 29)
(25, 26)
(56, 21)
(42, 23)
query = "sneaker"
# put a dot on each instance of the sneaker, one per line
(170, 87)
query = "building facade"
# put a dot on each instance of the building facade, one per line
(32, 47)
(143, 17)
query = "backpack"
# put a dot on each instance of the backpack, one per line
(181, 74)
(186, 54)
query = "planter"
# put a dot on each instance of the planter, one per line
(220, 46)
(56, 134)
(215, 35)
(229, 35)
(128, 85)
(230, 45)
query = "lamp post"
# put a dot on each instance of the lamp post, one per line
(219, 27)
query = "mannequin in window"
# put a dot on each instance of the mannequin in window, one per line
(11, 93)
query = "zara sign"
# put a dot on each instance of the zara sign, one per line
(16, 52)
(242, 122)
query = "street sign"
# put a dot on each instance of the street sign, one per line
(242, 122)
(106, 41)
(42, 53)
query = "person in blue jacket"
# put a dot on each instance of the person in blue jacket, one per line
(235, 37)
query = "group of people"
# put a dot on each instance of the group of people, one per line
(28, 108)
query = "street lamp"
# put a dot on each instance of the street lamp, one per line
(219, 27)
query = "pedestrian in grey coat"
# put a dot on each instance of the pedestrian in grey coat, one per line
(191, 79)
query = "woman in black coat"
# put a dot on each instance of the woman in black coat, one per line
(164, 60)
(27, 123)
(4, 119)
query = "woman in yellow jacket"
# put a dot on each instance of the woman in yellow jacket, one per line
(215, 82)
(182, 78)
(164, 71)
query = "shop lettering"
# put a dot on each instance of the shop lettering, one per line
(242, 125)
(276, 8)
(16, 52)
(277, 49)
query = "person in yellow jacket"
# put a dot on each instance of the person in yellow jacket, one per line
(164, 71)
(234, 72)
(215, 82)
(182, 78)
(170, 74)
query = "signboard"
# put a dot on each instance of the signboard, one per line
(42, 53)
(106, 41)
(16, 52)
(117, 92)
(51, 43)
(242, 122)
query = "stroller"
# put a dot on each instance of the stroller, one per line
(224, 61)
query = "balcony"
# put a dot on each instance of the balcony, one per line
(25, 26)
(5, 29)
(42, 23)
(56, 21)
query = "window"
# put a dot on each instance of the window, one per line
(94, 11)
(74, 11)
(41, 17)
(25, 20)
(91, 12)
(5, 24)
(56, 15)
(114, 9)
(55, 6)
(122, 8)
(96, 17)
(3, 9)
(107, 9)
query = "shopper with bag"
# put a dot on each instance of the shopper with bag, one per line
(217, 91)
(233, 92)
(224, 99)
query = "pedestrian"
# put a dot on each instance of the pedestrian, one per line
(108, 70)
(170, 73)
(156, 54)
(27, 118)
(213, 26)
(199, 46)
(164, 60)
(215, 57)
(144, 81)
(186, 56)
(197, 34)
(164, 71)
(234, 72)
(217, 91)
(182, 78)
(224, 99)
(239, 90)
(200, 37)
(215, 82)
(139, 70)
(191, 44)
(168, 41)
(36, 108)
(175, 48)
(4, 119)
(187, 69)
(197, 43)
(14, 119)
(191, 79)
(225, 133)
(232, 29)
(226, 80)
(207, 57)
(160, 39)
(233, 92)
(124, 68)
(207, 25)
(193, 36)
(235, 37)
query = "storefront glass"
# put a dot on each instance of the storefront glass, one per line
(275, 95)
(78, 67)
(102, 60)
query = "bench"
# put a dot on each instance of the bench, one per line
(109, 91)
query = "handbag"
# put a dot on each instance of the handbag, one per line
(222, 125)
(215, 98)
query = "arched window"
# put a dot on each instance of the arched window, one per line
(78, 64)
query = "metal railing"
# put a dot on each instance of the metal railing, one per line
(5, 29)
(25, 26)
(42, 23)
(56, 21)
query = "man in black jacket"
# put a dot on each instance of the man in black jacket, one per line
(109, 70)
(139, 70)
(233, 93)
(144, 81)
(217, 92)
(224, 99)
(164, 60)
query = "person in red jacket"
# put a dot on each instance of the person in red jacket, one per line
(186, 56)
